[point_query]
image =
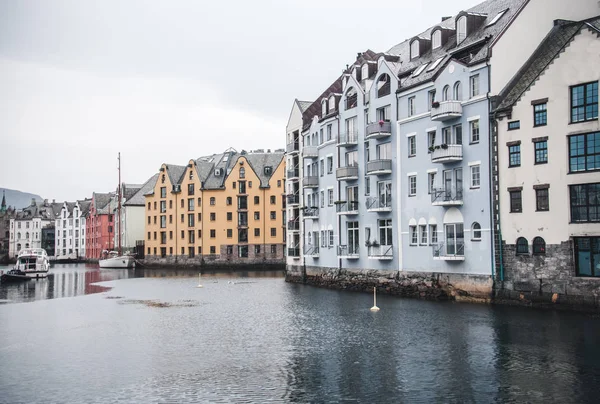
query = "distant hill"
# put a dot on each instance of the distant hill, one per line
(18, 199)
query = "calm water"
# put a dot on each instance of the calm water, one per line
(152, 336)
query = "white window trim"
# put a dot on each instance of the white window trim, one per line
(473, 118)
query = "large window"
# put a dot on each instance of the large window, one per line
(385, 232)
(541, 151)
(412, 185)
(461, 29)
(475, 176)
(587, 256)
(436, 39)
(514, 155)
(584, 102)
(542, 199)
(353, 245)
(584, 152)
(455, 239)
(585, 203)
(540, 115)
(515, 201)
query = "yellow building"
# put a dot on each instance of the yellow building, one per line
(224, 208)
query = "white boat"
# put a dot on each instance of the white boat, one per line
(114, 260)
(34, 262)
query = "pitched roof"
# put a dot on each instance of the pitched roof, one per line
(137, 199)
(175, 173)
(258, 162)
(129, 190)
(304, 105)
(549, 49)
(84, 205)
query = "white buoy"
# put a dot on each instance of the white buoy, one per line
(199, 280)
(374, 308)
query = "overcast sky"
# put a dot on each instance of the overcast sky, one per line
(170, 80)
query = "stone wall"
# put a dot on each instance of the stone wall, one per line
(433, 286)
(546, 280)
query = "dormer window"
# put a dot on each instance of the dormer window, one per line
(323, 107)
(461, 29)
(268, 170)
(364, 72)
(436, 39)
(332, 103)
(414, 49)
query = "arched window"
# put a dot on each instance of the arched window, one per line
(351, 98)
(383, 85)
(539, 246)
(364, 73)
(461, 29)
(446, 93)
(414, 49)
(212, 201)
(522, 246)
(242, 172)
(228, 201)
(436, 39)
(332, 103)
(457, 91)
(324, 107)
(475, 231)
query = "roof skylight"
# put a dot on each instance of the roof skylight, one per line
(497, 17)
(420, 70)
(435, 64)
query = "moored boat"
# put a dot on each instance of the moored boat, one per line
(112, 259)
(14, 275)
(34, 262)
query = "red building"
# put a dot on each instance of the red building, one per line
(99, 226)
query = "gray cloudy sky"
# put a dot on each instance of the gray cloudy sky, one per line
(166, 81)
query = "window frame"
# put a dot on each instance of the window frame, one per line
(538, 246)
(539, 199)
(585, 104)
(585, 156)
(513, 201)
(519, 246)
(539, 114)
(412, 183)
(471, 169)
(511, 153)
(587, 204)
(543, 150)
(412, 146)
(472, 129)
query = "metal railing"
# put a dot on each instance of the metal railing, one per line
(442, 250)
(446, 152)
(448, 196)
(293, 173)
(310, 151)
(351, 101)
(378, 129)
(348, 139)
(293, 147)
(294, 225)
(293, 199)
(379, 166)
(376, 203)
(348, 250)
(347, 207)
(311, 212)
(311, 250)
(381, 251)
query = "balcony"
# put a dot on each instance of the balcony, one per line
(378, 130)
(294, 225)
(381, 252)
(348, 252)
(310, 152)
(383, 205)
(293, 252)
(447, 197)
(293, 174)
(447, 153)
(293, 148)
(379, 167)
(310, 182)
(348, 139)
(311, 251)
(242, 224)
(311, 213)
(347, 173)
(347, 208)
(293, 199)
(449, 252)
(446, 110)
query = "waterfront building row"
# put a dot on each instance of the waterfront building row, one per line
(399, 164)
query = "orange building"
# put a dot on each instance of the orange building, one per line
(224, 208)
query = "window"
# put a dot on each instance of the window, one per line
(322, 199)
(457, 91)
(182, 204)
(476, 231)
(212, 201)
(213, 216)
(229, 216)
(384, 151)
(587, 256)
(584, 102)
(514, 125)
(321, 136)
(540, 117)
(436, 39)
(273, 215)
(414, 49)
(423, 233)
(475, 176)
(461, 29)
(430, 182)
(412, 146)
(256, 215)
(430, 141)
(191, 236)
(414, 237)
(213, 249)
(446, 93)
(163, 222)
(163, 206)
(541, 151)
(249, 184)
(242, 187)
(430, 99)
(515, 201)
(330, 197)
(382, 114)
(329, 132)
(412, 185)
(228, 201)
(273, 232)
(474, 81)
(411, 106)
(474, 129)
(272, 199)
(514, 155)
(213, 233)
(584, 152)
(585, 203)
(229, 233)
(457, 129)
(257, 249)
(256, 200)
(322, 167)
(433, 233)
(242, 172)
(190, 189)
(542, 199)
(257, 232)
(539, 246)
(522, 246)
(330, 164)
(190, 204)
(170, 204)
(278, 183)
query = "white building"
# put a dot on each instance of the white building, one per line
(70, 230)
(26, 227)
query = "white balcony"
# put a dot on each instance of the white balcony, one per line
(382, 205)
(310, 152)
(293, 174)
(449, 252)
(379, 167)
(311, 251)
(446, 110)
(381, 252)
(310, 182)
(378, 130)
(452, 196)
(347, 208)
(348, 252)
(447, 153)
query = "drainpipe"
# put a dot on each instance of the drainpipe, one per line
(339, 186)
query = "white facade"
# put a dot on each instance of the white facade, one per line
(26, 233)
(70, 232)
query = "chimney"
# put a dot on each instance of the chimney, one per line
(446, 18)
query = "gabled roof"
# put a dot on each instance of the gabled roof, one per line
(549, 49)
(84, 206)
(315, 108)
(101, 200)
(137, 199)
(175, 173)
(258, 162)
(304, 105)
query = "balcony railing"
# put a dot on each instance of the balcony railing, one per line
(311, 251)
(349, 173)
(310, 182)
(446, 110)
(348, 251)
(293, 252)
(311, 213)
(347, 208)
(348, 139)
(293, 199)
(293, 147)
(452, 196)
(351, 101)
(449, 252)
(381, 252)
(379, 167)
(310, 152)
(378, 130)
(447, 153)
(293, 174)
(375, 204)
(294, 225)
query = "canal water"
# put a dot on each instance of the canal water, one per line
(86, 335)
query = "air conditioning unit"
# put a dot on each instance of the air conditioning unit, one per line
(218, 172)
